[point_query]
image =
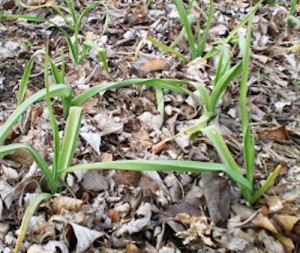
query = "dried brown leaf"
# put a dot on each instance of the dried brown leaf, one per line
(80, 237)
(61, 203)
(286, 242)
(264, 222)
(128, 177)
(278, 133)
(218, 197)
(149, 63)
(132, 248)
(287, 222)
(114, 215)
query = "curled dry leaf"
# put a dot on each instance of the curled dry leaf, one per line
(264, 222)
(160, 146)
(277, 203)
(61, 203)
(148, 63)
(80, 238)
(199, 228)
(270, 244)
(94, 181)
(217, 195)
(39, 249)
(136, 225)
(132, 248)
(287, 222)
(150, 121)
(287, 243)
(114, 215)
(57, 245)
(148, 186)
(128, 177)
(279, 133)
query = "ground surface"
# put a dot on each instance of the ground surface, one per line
(110, 211)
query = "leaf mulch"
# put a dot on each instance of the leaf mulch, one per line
(111, 211)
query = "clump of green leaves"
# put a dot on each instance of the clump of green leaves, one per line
(77, 54)
(196, 43)
(213, 133)
(291, 18)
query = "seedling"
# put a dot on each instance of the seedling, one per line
(197, 43)
(214, 135)
(77, 56)
(224, 75)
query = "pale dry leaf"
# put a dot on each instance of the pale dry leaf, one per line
(128, 177)
(132, 248)
(148, 63)
(218, 197)
(199, 228)
(5, 193)
(22, 157)
(55, 245)
(4, 228)
(236, 241)
(264, 222)
(90, 106)
(85, 236)
(287, 222)
(114, 215)
(175, 190)
(61, 203)
(39, 249)
(41, 228)
(1, 208)
(92, 137)
(136, 225)
(94, 181)
(278, 133)
(107, 124)
(10, 173)
(150, 121)
(287, 243)
(270, 244)
(160, 146)
(141, 139)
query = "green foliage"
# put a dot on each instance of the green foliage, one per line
(214, 135)
(196, 43)
(291, 18)
(54, 91)
(27, 216)
(77, 56)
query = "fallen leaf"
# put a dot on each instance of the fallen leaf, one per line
(278, 133)
(151, 121)
(114, 215)
(128, 177)
(92, 138)
(148, 63)
(136, 225)
(21, 156)
(38, 249)
(264, 222)
(132, 248)
(61, 203)
(148, 186)
(287, 222)
(80, 238)
(218, 197)
(94, 181)
(160, 146)
(199, 228)
(286, 242)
